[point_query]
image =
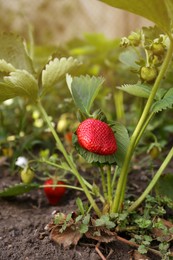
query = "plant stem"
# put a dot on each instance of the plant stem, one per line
(109, 186)
(153, 182)
(62, 185)
(118, 100)
(68, 159)
(103, 182)
(120, 192)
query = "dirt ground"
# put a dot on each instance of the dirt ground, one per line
(23, 237)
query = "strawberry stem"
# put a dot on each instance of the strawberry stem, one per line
(109, 186)
(68, 158)
(103, 182)
(121, 186)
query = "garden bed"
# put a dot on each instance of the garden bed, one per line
(23, 220)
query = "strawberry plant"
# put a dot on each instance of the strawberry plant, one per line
(106, 144)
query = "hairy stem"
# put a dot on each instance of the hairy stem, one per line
(120, 192)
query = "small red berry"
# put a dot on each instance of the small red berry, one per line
(96, 137)
(54, 194)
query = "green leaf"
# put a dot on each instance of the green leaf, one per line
(165, 103)
(6, 67)
(83, 228)
(18, 189)
(55, 70)
(122, 138)
(169, 5)
(164, 186)
(155, 10)
(129, 58)
(84, 90)
(80, 206)
(18, 83)
(13, 51)
(141, 90)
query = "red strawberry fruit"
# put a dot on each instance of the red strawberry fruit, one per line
(96, 137)
(54, 194)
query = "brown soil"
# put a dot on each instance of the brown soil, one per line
(23, 237)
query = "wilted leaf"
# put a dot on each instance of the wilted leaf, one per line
(101, 234)
(139, 256)
(67, 238)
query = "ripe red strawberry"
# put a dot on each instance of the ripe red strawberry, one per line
(54, 194)
(96, 137)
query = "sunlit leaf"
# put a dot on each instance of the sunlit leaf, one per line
(6, 67)
(141, 90)
(84, 90)
(54, 71)
(18, 83)
(165, 103)
(13, 51)
(155, 10)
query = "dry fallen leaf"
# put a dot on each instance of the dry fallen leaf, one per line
(101, 234)
(67, 238)
(137, 256)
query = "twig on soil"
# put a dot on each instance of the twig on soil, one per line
(99, 252)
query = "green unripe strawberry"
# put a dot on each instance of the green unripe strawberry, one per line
(27, 175)
(148, 74)
(154, 152)
(158, 49)
(96, 136)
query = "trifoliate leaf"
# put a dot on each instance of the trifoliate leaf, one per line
(54, 71)
(6, 67)
(84, 90)
(141, 90)
(13, 51)
(18, 83)
(165, 103)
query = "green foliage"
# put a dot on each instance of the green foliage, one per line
(55, 70)
(18, 189)
(165, 103)
(156, 11)
(84, 90)
(19, 83)
(141, 90)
